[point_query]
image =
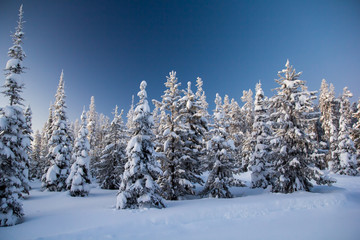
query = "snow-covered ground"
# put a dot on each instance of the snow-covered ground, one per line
(325, 213)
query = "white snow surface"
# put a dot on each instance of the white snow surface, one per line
(325, 213)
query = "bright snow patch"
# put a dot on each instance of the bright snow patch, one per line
(12, 63)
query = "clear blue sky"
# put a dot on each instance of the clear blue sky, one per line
(107, 48)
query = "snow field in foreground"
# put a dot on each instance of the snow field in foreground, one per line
(325, 213)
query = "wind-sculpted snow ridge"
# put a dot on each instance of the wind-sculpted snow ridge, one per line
(324, 213)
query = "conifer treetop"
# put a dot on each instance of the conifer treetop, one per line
(60, 93)
(13, 82)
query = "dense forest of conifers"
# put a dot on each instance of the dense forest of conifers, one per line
(286, 141)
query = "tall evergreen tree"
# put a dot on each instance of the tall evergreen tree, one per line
(28, 118)
(312, 126)
(13, 84)
(179, 176)
(103, 129)
(35, 162)
(171, 142)
(248, 109)
(28, 132)
(201, 98)
(194, 129)
(93, 128)
(355, 134)
(262, 157)
(248, 142)
(130, 115)
(156, 116)
(344, 155)
(329, 116)
(92, 123)
(334, 123)
(200, 95)
(76, 126)
(138, 187)
(235, 130)
(221, 149)
(354, 110)
(46, 134)
(13, 142)
(160, 117)
(78, 181)
(294, 167)
(226, 115)
(113, 158)
(60, 145)
(324, 106)
(236, 123)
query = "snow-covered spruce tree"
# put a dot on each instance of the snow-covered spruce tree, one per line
(324, 105)
(138, 187)
(156, 116)
(13, 161)
(46, 134)
(201, 98)
(228, 124)
(294, 166)
(248, 141)
(72, 137)
(60, 145)
(158, 130)
(28, 132)
(355, 134)
(329, 116)
(247, 147)
(220, 151)
(78, 181)
(28, 118)
(13, 84)
(113, 158)
(344, 155)
(92, 123)
(193, 132)
(76, 126)
(13, 142)
(248, 109)
(235, 129)
(236, 123)
(169, 141)
(179, 176)
(104, 126)
(200, 95)
(312, 126)
(93, 128)
(226, 115)
(35, 161)
(354, 109)
(130, 115)
(13, 88)
(262, 158)
(334, 117)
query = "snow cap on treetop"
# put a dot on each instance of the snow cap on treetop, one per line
(83, 115)
(172, 74)
(143, 85)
